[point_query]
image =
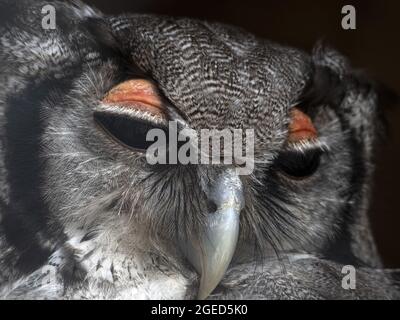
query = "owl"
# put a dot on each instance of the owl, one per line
(84, 215)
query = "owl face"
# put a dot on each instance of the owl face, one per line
(97, 92)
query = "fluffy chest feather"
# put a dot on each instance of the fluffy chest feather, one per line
(104, 272)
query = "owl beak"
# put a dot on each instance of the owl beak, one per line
(212, 251)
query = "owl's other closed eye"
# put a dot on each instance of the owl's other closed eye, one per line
(79, 200)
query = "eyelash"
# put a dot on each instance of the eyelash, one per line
(308, 145)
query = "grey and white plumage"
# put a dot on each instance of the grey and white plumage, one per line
(74, 202)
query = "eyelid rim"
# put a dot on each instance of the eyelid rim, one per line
(301, 126)
(137, 94)
(304, 146)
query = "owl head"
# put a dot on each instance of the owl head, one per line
(78, 102)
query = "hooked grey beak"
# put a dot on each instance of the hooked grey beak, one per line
(212, 252)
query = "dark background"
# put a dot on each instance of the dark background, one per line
(373, 46)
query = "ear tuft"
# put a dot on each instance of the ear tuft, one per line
(326, 56)
(324, 88)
